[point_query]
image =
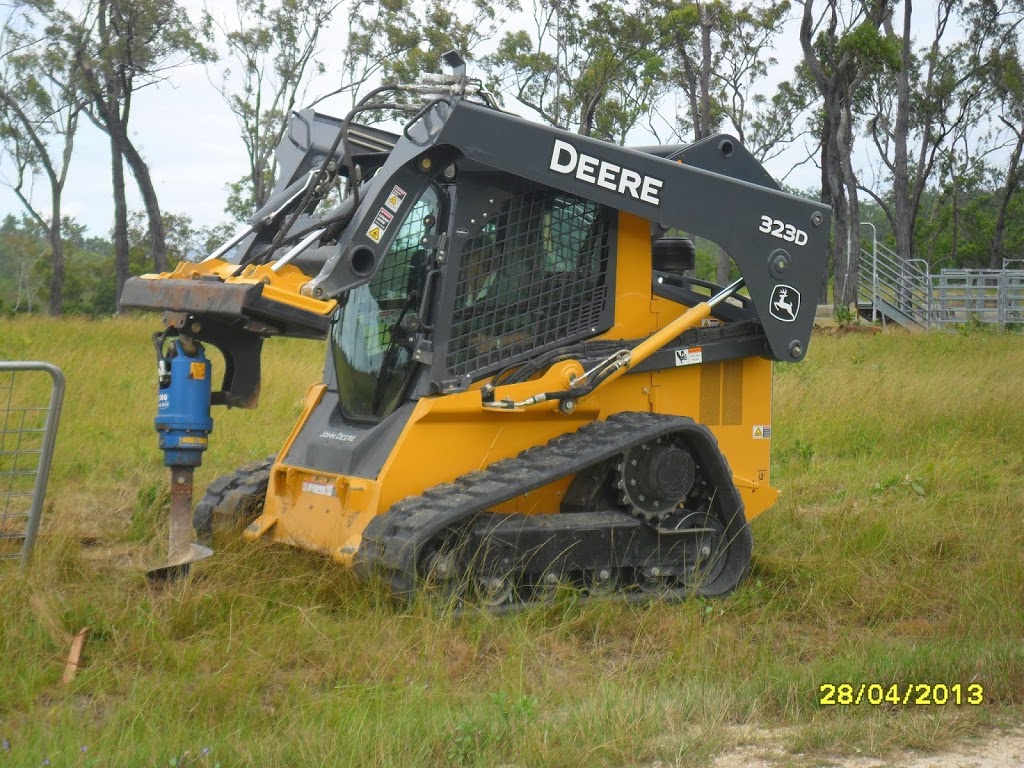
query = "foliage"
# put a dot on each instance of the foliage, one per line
(38, 123)
(25, 271)
(118, 47)
(596, 69)
(940, 109)
(273, 48)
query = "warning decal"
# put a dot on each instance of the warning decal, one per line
(394, 200)
(379, 225)
(690, 356)
(382, 219)
(762, 432)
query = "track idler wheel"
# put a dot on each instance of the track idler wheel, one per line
(233, 501)
(495, 591)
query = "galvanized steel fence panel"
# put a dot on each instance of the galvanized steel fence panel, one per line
(989, 296)
(905, 291)
(28, 433)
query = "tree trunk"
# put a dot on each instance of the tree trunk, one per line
(705, 73)
(826, 197)
(954, 253)
(57, 255)
(995, 260)
(120, 224)
(847, 294)
(903, 218)
(722, 270)
(847, 280)
(833, 171)
(158, 244)
(826, 139)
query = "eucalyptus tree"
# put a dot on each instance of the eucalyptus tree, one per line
(461, 25)
(272, 49)
(595, 69)
(935, 101)
(842, 45)
(119, 47)
(38, 124)
(719, 52)
(1005, 72)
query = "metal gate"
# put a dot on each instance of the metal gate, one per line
(29, 432)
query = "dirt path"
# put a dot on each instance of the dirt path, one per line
(999, 749)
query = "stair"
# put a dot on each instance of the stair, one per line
(893, 289)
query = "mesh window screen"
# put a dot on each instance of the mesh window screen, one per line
(535, 277)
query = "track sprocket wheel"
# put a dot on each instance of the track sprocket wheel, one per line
(654, 477)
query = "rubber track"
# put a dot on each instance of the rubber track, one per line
(392, 541)
(229, 493)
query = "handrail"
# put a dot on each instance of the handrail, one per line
(903, 284)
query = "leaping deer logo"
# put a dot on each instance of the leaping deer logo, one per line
(785, 303)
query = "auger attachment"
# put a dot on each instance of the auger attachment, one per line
(183, 423)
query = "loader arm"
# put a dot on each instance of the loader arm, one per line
(714, 189)
(775, 238)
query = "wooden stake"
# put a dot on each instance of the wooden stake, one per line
(71, 668)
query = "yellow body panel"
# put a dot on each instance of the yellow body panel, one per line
(451, 435)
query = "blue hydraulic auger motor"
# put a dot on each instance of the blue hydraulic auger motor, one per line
(183, 424)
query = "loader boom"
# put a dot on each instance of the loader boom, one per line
(774, 237)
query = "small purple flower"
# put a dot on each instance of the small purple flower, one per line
(84, 748)
(205, 751)
(6, 745)
(46, 761)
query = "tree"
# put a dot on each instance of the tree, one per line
(1007, 76)
(119, 47)
(23, 246)
(765, 126)
(922, 108)
(460, 25)
(596, 72)
(184, 241)
(377, 33)
(38, 125)
(696, 35)
(718, 54)
(840, 51)
(273, 46)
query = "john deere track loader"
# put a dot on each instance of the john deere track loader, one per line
(524, 387)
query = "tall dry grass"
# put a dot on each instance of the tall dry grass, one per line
(894, 556)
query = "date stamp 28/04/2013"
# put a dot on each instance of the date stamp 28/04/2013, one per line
(900, 694)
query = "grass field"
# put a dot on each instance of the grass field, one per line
(893, 557)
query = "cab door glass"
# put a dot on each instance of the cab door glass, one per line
(374, 332)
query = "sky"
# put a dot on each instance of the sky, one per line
(191, 141)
